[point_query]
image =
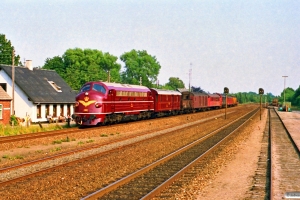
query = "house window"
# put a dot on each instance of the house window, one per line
(56, 87)
(1, 106)
(61, 110)
(54, 110)
(3, 85)
(47, 110)
(69, 110)
(38, 111)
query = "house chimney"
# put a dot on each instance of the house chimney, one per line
(28, 64)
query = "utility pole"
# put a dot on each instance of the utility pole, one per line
(284, 91)
(13, 82)
(190, 74)
(108, 78)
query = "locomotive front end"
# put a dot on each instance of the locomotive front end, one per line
(89, 105)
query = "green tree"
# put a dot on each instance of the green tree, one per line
(139, 65)
(78, 66)
(6, 52)
(296, 97)
(56, 63)
(288, 93)
(197, 89)
(174, 83)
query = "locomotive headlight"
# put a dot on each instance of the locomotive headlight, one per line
(76, 104)
(98, 105)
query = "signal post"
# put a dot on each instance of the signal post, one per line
(260, 92)
(226, 91)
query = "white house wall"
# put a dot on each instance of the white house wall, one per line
(23, 106)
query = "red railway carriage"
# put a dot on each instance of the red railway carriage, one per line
(199, 100)
(193, 101)
(231, 100)
(101, 103)
(166, 102)
(214, 101)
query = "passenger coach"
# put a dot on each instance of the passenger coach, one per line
(166, 102)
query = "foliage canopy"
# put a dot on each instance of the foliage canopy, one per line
(6, 52)
(174, 83)
(140, 66)
(78, 66)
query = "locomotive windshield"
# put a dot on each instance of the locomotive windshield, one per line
(99, 88)
(86, 88)
(96, 87)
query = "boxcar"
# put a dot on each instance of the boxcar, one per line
(193, 101)
(166, 102)
(102, 103)
(199, 101)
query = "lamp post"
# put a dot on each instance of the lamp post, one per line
(190, 74)
(284, 91)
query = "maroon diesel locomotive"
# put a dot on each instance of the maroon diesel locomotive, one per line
(100, 103)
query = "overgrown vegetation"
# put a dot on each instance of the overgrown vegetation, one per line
(7, 130)
(289, 94)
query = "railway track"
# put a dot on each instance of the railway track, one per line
(30, 136)
(85, 152)
(151, 180)
(84, 175)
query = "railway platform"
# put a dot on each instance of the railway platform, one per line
(291, 121)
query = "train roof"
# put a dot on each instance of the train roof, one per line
(223, 95)
(123, 87)
(213, 95)
(167, 92)
(199, 93)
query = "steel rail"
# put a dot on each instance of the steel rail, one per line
(124, 180)
(168, 130)
(168, 182)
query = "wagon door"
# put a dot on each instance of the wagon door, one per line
(111, 101)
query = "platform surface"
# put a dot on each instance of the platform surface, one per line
(291, 121)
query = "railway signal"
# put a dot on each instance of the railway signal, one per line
(226, 91)
(260, 92)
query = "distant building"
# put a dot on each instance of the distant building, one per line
(39, 93)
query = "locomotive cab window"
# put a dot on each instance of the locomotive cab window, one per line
(99, 88)
(86, 88)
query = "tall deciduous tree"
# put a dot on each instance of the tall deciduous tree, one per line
(287, 95)
(6, 52)
(197, 89)
(139, 65)
(56, 63)
(175, 82)
(296, 97)
(78, 66)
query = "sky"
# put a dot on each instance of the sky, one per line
(240, 44)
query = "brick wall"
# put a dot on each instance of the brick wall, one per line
(5, 111)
